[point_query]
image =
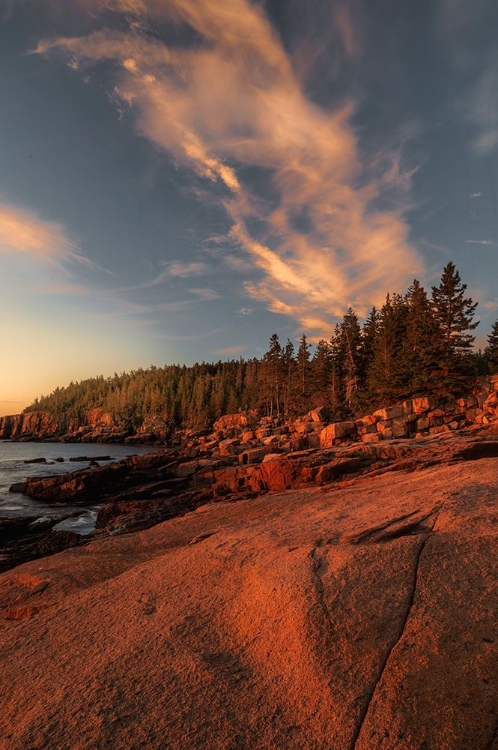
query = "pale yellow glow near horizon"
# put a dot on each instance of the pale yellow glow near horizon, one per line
(43, 351)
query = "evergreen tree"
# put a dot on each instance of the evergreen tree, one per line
(320, 370)
(288, 368)
(454, 314)
(349, 343)
(302, 375)
(422, 344)
(386, 374)
(491, 351)
(368, 336)
(273, 375)
(336, 380)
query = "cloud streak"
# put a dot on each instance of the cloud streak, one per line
(233, 102)
(479, 242)
(22, 232)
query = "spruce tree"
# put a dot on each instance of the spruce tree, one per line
(336, 381)
(454, 314)
(350, 354)
(273, 374)
(491, 351)
(288, 367)
(387, 374)
(422, 344)
(320, 369)
(302, 374)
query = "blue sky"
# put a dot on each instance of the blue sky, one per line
(181, 178)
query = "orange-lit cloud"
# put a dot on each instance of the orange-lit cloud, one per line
(230, 350)
(322, 242)
(23, 232)
(344, 23)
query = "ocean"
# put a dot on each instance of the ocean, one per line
(13, 470)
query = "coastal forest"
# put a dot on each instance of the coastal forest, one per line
(415, 343)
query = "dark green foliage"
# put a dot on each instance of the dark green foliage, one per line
(387, 373)
(300, 388)
(320, 370)
(273, 376)
(491, 351)
(349, 342)
(422, 348)
(412, 344)
(454, 315)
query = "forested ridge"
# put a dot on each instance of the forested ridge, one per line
(414, 343)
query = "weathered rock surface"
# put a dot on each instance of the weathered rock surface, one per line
(344, 616)
(141, 491)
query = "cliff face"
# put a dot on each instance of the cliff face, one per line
(41, 425)
(359, 616)
(31, 424)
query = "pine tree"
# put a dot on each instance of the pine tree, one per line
(320, 369)
(422, 345)
(491, 351)
(288, 368)
(349, 343)
(302, 374)
(386, 374)
(454, 314)
(336, 380)
(273, 374)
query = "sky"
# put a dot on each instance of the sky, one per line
(179, 179)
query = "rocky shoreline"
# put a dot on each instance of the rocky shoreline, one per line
(265, 584)
(243, 458)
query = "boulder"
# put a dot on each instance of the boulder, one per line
(277, 474)
(336, 431)
(228, 447)
(390, 412)
(424, 403)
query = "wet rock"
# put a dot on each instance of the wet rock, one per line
(22, 540)
(88, 459)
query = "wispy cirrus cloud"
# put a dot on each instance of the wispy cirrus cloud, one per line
(233, 101)
(203, 293)
(23, 232)
(460, 25)
(180, 269)
(347, 29)
(175, 269)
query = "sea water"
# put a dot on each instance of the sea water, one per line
(13, 469)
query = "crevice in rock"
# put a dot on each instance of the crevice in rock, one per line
(318, 569)
(364, 713)
(375, 535)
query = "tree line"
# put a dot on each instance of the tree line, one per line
(415, 343)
